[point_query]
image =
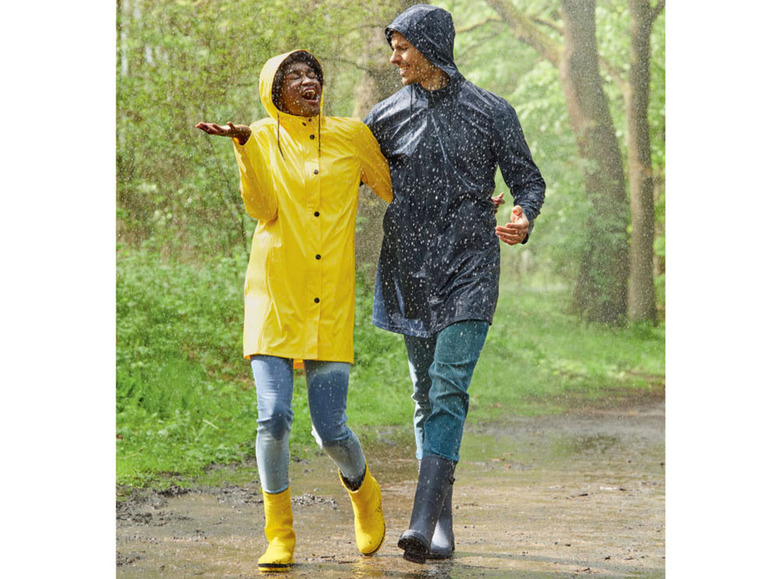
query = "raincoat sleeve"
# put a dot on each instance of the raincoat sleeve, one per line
(375, 168)
(257, 190)
(520, 173)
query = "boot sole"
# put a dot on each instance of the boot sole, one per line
(440, 554)
(415, 549)
(274, 566)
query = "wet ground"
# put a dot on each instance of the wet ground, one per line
(572, 495)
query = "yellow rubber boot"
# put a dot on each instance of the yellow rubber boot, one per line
(369, 524)
(278, 530)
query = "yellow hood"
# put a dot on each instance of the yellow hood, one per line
(267, 76)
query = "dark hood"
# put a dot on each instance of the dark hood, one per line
(430, 29)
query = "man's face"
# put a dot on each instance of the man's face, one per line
(301, 91)
(414, 67)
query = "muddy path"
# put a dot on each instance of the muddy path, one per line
(572, 495)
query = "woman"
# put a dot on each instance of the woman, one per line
(300, 175)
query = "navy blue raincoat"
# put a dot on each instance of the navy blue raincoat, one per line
(439, 263)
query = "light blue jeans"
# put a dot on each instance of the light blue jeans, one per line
(441, 369)
(327, 394)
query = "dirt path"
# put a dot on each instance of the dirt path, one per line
(574, 495)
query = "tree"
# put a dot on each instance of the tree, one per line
(379, 80)
(601, 292)
(179, 62)
(641, 299)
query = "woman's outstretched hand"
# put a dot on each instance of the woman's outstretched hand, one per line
(239, 132)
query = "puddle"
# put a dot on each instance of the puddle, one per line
(582, 494)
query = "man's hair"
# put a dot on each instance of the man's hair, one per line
(298, 56)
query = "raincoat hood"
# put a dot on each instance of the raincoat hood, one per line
(430, 29)
(268, 77)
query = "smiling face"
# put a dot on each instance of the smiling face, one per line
(301, 90)
(413, 66)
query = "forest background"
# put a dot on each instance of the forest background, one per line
(63, 398)
(586, 294)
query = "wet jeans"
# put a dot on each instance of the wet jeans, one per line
(327, 384)
(441, 369)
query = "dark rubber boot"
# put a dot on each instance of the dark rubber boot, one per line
(443, 541)
(434, 478)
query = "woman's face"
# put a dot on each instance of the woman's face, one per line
(301, 91)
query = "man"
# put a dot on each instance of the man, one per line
(438, 272)
(300, 174)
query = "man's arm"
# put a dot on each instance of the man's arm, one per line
(520, 173)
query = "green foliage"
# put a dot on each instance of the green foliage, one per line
(184, 394)
(538, 359)
(179, 381)
(185, 398)
(180, 62)
(380, 387)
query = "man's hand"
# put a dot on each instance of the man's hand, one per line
(239, 132)
(516, 230)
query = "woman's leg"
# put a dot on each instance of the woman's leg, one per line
(273, 381)
(327, 398)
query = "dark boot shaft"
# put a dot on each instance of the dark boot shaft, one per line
(434, 478)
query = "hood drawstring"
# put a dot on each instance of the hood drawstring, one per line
(318, 138)
(278, 132)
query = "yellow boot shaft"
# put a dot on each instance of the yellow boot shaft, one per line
(369, 524)
(278, 530)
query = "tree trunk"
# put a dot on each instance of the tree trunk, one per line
(601, 291)
(641, 298)
(380, 80)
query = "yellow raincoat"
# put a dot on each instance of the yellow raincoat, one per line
(300, 179)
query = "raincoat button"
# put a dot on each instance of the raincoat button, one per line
(312, 137)
(316, 300)
(318, 256)
(316, 214)
(316, 171)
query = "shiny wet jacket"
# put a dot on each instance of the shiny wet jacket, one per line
(300, 179)
(439, 263)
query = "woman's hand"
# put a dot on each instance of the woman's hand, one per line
(239, 132)
(497, 200)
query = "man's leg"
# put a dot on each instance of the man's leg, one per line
(420, 355)
(455, 357)
(456, 353)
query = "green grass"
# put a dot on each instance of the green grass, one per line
(185, 398)
(539, 359)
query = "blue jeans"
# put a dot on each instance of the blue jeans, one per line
(327, 394)
(441, 369)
